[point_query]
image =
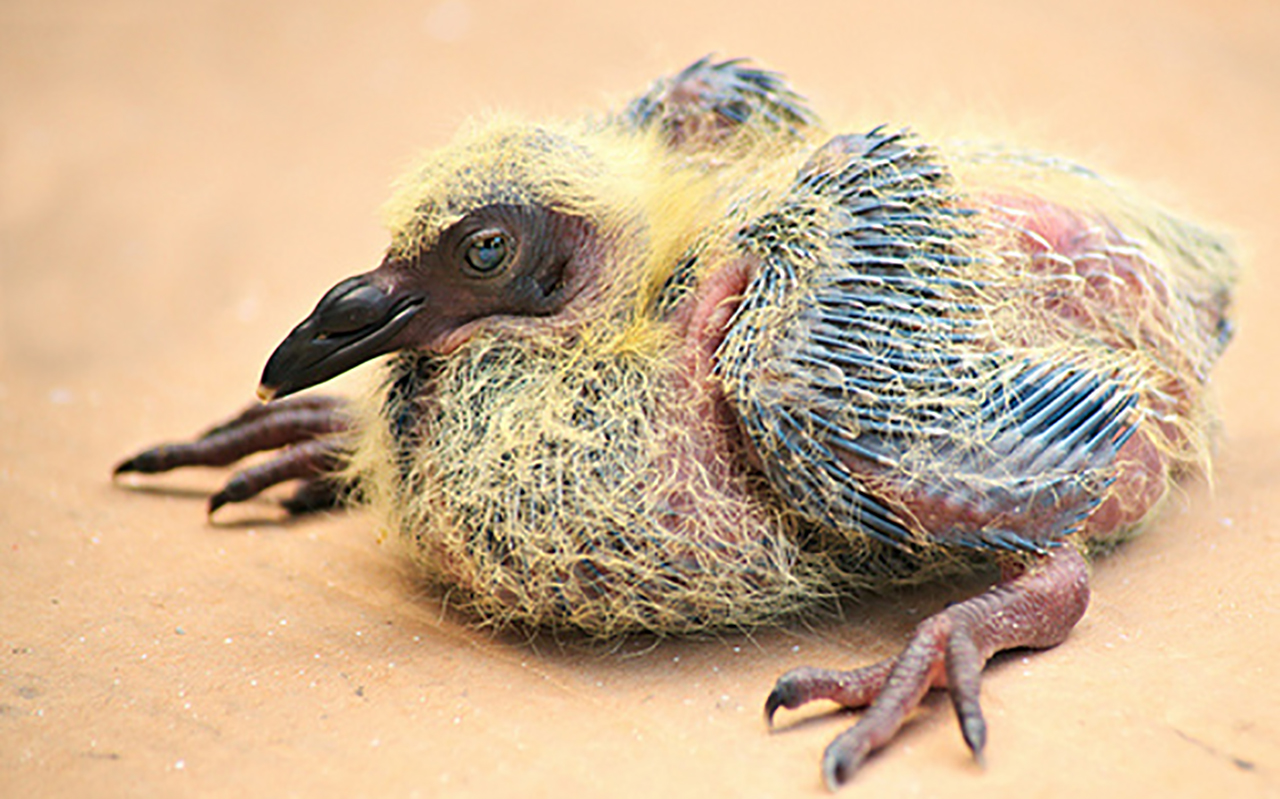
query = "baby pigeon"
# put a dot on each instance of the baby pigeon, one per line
(699, 363)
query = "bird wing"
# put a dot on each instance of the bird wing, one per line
(863, 367)
(703, 104)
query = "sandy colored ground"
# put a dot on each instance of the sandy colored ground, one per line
(178, 184)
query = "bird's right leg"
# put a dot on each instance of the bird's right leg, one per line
(1033, 608)
(312, 431)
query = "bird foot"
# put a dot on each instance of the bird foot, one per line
(1036, 608)
(310, 429)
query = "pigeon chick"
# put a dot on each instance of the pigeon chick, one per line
(700, 363)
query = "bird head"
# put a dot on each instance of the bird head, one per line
(512, 221)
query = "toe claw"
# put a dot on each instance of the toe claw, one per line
(148, 462)
(771, 705)
(843, 758)
(974, 730)
(786, 693)
(218, 500)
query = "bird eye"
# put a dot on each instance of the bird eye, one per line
(488, 251)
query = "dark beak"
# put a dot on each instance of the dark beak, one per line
(353, 322)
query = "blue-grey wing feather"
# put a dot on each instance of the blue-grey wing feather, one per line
(861, 366)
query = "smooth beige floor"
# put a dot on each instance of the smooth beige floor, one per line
(180, 181)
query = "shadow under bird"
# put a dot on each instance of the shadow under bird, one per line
(699, 363)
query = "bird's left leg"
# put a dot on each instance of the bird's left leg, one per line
(311, 431)
(1034, 607)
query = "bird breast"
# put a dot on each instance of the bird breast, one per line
(567, 478)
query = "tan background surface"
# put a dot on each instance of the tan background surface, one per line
(178, 184)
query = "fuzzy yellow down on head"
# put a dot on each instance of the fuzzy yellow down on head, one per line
(503, 160)
(629, 185)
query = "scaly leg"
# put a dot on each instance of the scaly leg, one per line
(1036, 608)
(309, 428)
